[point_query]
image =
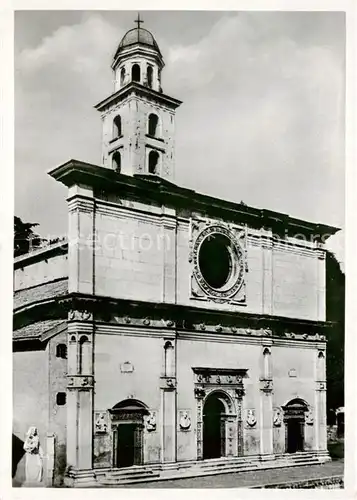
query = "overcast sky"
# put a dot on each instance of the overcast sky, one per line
(262, 118)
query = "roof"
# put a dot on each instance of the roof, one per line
(39, 330)
(39, 293)
(137, 35)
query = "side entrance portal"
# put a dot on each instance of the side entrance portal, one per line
(128, 445)
(127, 432)
(294, 418)
(295, 435)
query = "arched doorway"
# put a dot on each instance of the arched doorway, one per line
(127, 432)
(294, 418)
(214, 427)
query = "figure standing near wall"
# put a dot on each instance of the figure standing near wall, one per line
(34, 458)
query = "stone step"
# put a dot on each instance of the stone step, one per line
(128, 472)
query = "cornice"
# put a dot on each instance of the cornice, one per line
(192, 318)
(166, 193)
(140, 90)
(43, 253)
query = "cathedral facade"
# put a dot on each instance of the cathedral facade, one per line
(174, 333)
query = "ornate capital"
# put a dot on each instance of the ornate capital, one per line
(168, 383)
(321, 386)
(80, 381)
(266, 385)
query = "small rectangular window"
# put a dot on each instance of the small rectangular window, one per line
(61, 398)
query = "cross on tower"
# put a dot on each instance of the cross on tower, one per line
(138, 21)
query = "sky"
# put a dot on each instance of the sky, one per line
(262, 119)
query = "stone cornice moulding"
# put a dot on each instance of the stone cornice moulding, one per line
(136, 89)
(188, 317)
(165, 192)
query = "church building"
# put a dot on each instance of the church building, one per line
(174, 334)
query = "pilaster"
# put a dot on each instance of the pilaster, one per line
(320, 401)
(80, 383)
(168, 248)
(168, 403)
(81, 239)
(267, 270)
(266, 399)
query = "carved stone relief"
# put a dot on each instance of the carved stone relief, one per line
(278, 417)
(151, 422)
(184, 420)
(250, 418)
(101, 422)
(309, 416)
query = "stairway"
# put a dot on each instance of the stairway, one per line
(129, 475)
(195, 468)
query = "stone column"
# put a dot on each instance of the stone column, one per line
(168, 403)
(80, 382)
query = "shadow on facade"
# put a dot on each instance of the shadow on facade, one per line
(18, 461)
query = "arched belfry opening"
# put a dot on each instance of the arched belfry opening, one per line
(294, 419)
(117, 162)
(153, 162)
(117, 128)
(214, 426)
(149, 76)
(122, 76)
(153, 124)
(135, 73)
(127, 423)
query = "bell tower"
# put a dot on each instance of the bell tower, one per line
(138, 118)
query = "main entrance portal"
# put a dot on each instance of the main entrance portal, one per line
(214, 439)
(294, 417)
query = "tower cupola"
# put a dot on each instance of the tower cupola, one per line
(138, 59)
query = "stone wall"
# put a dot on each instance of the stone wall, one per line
(142, 252)
(122, 360)
(58, 413)
(40, 272)
(127, 367)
